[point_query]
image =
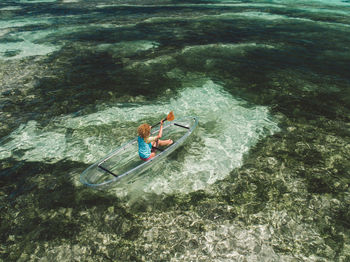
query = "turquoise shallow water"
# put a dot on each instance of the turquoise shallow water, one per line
(266, 175)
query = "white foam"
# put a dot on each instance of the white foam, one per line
(309, 2)
(24, 22)
(261, 15)
(31, 43)
(26, 45)
(128, 47)
(232, 48)
(10, 8)
(256, 15)
(218, 4)
(37, 145)
(227, 130)
(36, 1)
(4, 32)
(227, 15)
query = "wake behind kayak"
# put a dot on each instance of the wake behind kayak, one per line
(125, 162)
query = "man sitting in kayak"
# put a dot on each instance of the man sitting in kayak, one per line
(148, 144)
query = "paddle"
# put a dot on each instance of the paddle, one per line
(170, 117)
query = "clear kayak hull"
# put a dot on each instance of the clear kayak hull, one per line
(124, 162)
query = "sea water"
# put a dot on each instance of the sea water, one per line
(265, 176)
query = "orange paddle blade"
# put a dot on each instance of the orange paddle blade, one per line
(170, 116)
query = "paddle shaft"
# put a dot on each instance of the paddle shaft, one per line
(159, 122)
(170, 117)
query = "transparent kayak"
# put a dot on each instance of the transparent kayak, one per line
(124, 162)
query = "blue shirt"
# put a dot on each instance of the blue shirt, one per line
(144, 148)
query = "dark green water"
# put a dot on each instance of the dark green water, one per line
(264, 178)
